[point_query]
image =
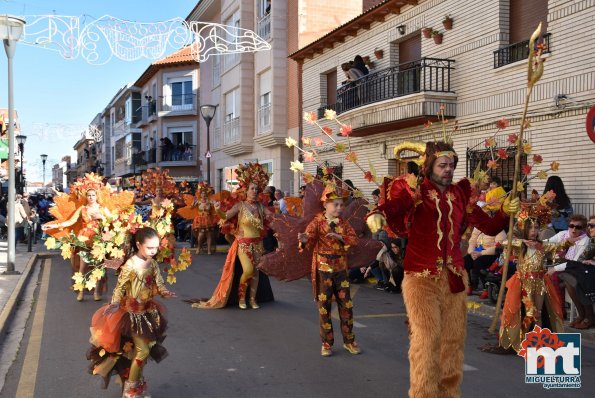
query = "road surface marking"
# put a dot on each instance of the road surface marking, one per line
(335, 315)
(468, 368)
(28, 375)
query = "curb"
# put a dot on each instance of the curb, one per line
(12, 303)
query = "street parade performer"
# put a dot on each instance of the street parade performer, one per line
(83, 212)
(531, 298)
(125, 333)
(201, 210)
(251, 218)
(434, 215)
(331, 236)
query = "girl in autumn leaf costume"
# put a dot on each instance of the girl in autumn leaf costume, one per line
(252, 219)
(125, 333)
(201, 211)
(530, 290)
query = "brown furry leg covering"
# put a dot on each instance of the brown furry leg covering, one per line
(438, 323)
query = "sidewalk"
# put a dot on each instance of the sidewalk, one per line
(12, 285)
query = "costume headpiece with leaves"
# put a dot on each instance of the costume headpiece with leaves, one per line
(334, 190)
(153, 179)
(539, 212)
(90, 181)
(252, 173)
(204, 187)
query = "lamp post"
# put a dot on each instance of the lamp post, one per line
(44, 157)
(11, 29)
(208, 112)
(21, 139)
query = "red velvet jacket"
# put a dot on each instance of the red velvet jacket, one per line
(435, 223)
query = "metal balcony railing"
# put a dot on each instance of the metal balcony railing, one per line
(263, 27)
(518, 51)
(177, 103)
(148, 110)
(231, 131)
(264, 119)
(183, 153)
(426, 74)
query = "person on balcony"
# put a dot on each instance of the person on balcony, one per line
(358, 63)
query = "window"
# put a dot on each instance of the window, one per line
(216, 60)
(119, 148)
(264, 8)
(181, 93)
(231, 105)
(181, 137)
(233, 24)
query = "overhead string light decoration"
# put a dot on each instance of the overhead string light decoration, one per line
(97, 41)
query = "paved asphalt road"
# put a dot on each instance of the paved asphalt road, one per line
(271, 352)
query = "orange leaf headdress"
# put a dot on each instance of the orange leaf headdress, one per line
(252, 173)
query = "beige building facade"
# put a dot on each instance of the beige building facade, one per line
(256, 94)
(477, 74)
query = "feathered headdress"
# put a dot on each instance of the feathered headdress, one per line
(204, 187)
(154, 179)
(252, 173)
(539, 212)
(89, 181)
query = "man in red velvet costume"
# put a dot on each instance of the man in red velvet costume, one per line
(435, 215)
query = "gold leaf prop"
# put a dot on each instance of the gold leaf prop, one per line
(417, 147)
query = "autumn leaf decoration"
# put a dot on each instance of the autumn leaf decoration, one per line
(312, 147)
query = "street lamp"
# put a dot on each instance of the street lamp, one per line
(11, 29)
(208, 112)
(21, 139)
(44, 157)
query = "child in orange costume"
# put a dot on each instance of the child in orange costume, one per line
(332, 237)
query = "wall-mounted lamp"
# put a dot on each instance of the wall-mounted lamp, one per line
(382, 149)
(401, 29)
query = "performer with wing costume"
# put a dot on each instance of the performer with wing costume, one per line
(434, 215)
(240, 272)
(201, 210)
(79, 218)
(289, 263)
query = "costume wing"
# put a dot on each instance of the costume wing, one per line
(64, 209)
(116, 201)
(189, 212)
(288, 263)
(294, 206)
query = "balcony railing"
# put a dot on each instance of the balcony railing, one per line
(263, 27)
(518, 51)
(179, 103)
(231, 131)
(150, 155)
(148, 110)
(216, 138)
(426, 74)
(323, 108)
(264, 119)
(177, 154)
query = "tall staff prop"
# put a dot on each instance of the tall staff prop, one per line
(534, 73)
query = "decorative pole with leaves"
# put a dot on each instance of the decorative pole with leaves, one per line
(534, 73)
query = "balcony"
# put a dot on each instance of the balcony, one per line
(171, 156)
(231, 131)
(178, 105)
(148, 113)
(263, 27)
(397, 97)
(264, 119)
(518, 51)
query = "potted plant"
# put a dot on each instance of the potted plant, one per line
(437, 36)
(427, 32)
(447, 22)
(378, 53)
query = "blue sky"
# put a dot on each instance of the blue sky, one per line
(55, 97)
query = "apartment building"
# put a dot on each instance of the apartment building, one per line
(86, 154)
(475, 70)
(256, 94)
(60, 173)
(169, 129)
